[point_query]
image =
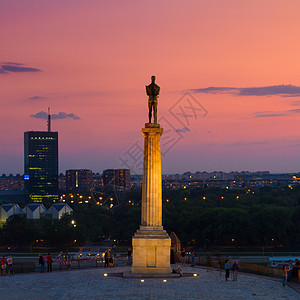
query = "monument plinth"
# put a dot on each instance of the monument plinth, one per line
(151, 244)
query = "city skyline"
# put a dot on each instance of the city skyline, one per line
(90, 62)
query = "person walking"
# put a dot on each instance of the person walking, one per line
(3, 265)
(49, 262)
(235, 268)
(285, 275)
(129, 258)
(227, 269)
(111, 259)
(10, 265)
(289, 269)
(42, 263)
(183, 254)
(193, 255)
(296, 268)
(106, 261)
(60, 259)
(68, 260)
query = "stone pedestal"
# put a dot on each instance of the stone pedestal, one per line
(151, 244)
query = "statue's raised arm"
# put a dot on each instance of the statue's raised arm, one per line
(152, 91)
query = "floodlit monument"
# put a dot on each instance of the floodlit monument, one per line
(151, 244)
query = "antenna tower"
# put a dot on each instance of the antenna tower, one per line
(49, 120)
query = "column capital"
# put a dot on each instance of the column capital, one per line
(152, 131)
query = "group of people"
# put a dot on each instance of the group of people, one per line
(109, 258)
(290, 270)
(184, 256)
(234, 267)
(6, 265)
(61, 258)
(48, 260)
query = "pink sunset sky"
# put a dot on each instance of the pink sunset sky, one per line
(90, 61)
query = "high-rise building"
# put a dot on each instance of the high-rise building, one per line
(118, 179)
(79, 181)
(41, 165)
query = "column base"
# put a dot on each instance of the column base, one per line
(151, 252)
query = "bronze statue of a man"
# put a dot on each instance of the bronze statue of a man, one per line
(152, 91)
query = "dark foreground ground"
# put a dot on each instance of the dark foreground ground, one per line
(91, 284)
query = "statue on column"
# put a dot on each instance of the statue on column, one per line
(152, 91)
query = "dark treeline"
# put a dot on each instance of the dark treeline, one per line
(267, 218)
(200, 217)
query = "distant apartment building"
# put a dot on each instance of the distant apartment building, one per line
(79, 181)
(62, 182)
(97, 182)
(41, 165)
(117, 179)
(11, 182)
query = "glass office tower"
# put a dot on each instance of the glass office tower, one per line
(41, 165)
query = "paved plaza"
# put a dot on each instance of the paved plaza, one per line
(91, 284)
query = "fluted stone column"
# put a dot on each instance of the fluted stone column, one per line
(151, 244)
(152, 184)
